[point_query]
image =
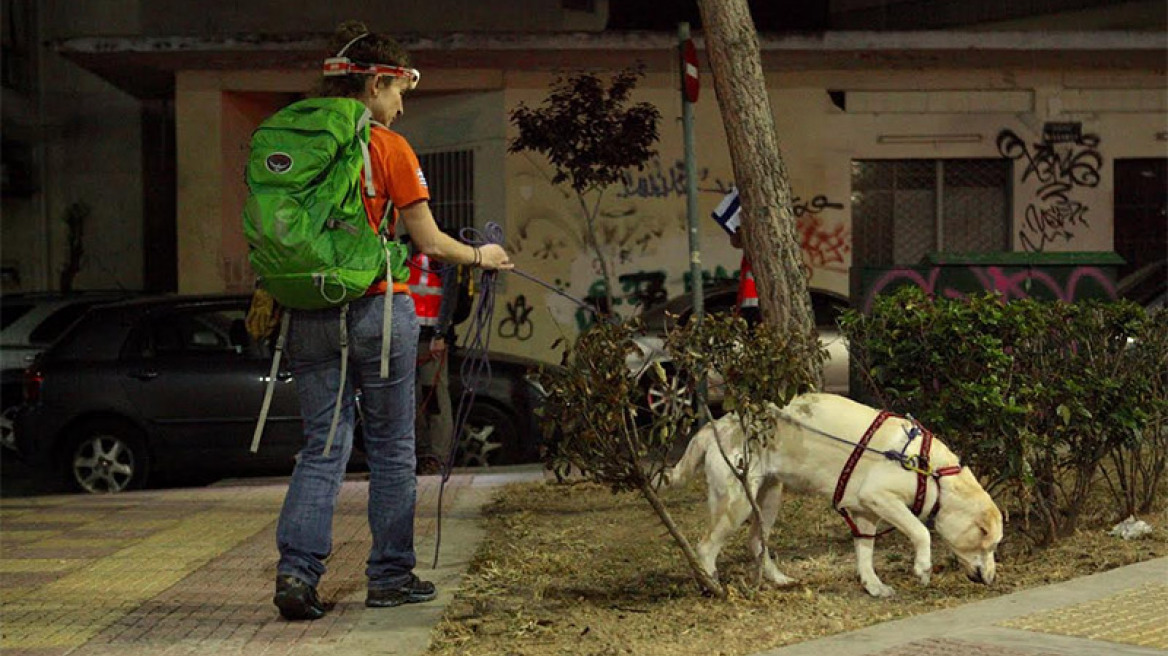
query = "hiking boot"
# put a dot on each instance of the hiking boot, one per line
(296, 599)
(413, 591)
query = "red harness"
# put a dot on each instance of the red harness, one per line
(920, 466)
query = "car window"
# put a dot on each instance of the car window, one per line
(827, 310)
(56, 323)
(203, 332)
(11, 311)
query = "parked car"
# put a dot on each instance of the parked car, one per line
(175, 383)
(722, 299)
(29, 323)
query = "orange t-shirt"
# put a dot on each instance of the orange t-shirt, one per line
(397, 176)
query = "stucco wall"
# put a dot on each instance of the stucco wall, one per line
(642, 220)
(216, 17)
(91, 154)
(895, 116)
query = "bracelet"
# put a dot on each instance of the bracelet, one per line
(478, 257)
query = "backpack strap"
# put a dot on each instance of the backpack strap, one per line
(344, 374)
(275, 371)
(387, 312)
(386, 323)
(363, 126)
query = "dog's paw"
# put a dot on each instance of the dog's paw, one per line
(924, 572)
(879, 589)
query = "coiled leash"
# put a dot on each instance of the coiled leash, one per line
(476, 366)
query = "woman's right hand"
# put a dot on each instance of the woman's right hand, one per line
(492, 256)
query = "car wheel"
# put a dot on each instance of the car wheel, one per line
(487, 438)
(106, 457)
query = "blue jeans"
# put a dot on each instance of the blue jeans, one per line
(304, 532)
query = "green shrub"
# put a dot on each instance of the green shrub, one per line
(1033, 395)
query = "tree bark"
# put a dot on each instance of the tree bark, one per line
(768, 222)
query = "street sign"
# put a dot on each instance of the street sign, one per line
(689, 71)
(1065, 132)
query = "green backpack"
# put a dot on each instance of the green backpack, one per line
(311, 244)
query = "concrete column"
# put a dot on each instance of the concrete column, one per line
(198, 128)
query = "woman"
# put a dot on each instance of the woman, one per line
(373, 69)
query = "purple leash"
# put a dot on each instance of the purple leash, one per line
(476, 366)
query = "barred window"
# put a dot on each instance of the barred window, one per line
(903, 209)
(450, 175)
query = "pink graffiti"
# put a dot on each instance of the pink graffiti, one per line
(1010, 286)
(822, 246)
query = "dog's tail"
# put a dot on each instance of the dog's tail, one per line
(695, 456)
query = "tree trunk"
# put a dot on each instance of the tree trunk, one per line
(708, 583)
(768, 222)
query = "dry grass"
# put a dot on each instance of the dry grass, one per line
(574, 569)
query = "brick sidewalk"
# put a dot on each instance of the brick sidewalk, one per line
(176, 572)
(184, 572)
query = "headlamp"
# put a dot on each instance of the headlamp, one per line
(342, 65)
(334, 66)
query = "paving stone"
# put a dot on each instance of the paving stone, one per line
(1136, 617)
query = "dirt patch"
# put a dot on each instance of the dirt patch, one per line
(575, 569)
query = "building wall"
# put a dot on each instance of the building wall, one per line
(89, 153)
(942, 114)
(92, 147)
(953, 114)
(218, 17)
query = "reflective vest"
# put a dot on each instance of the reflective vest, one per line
(747, 294)
(426, 288)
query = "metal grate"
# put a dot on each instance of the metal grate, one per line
(450, 175)
(904, 209)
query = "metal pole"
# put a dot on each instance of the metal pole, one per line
(691, 206)
(691, 177)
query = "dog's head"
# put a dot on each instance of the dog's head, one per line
(972, 525)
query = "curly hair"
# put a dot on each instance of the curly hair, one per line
(371, 49)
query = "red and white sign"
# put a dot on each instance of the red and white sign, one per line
(689, 71)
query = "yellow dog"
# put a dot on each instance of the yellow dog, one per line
(813, 449)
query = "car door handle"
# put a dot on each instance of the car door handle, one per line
(148, 374)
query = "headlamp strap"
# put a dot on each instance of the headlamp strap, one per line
(341, 52)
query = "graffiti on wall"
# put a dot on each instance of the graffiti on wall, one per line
(1022, 283)
(517, 324)
(1058, 169)
(640, 219)
(719, 275)
(658, 181)
(629, 240)
(637, 290)
(824, 246)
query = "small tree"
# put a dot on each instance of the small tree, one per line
(610, 431)
(590, 135)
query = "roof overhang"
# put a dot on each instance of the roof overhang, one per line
(145, 66)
